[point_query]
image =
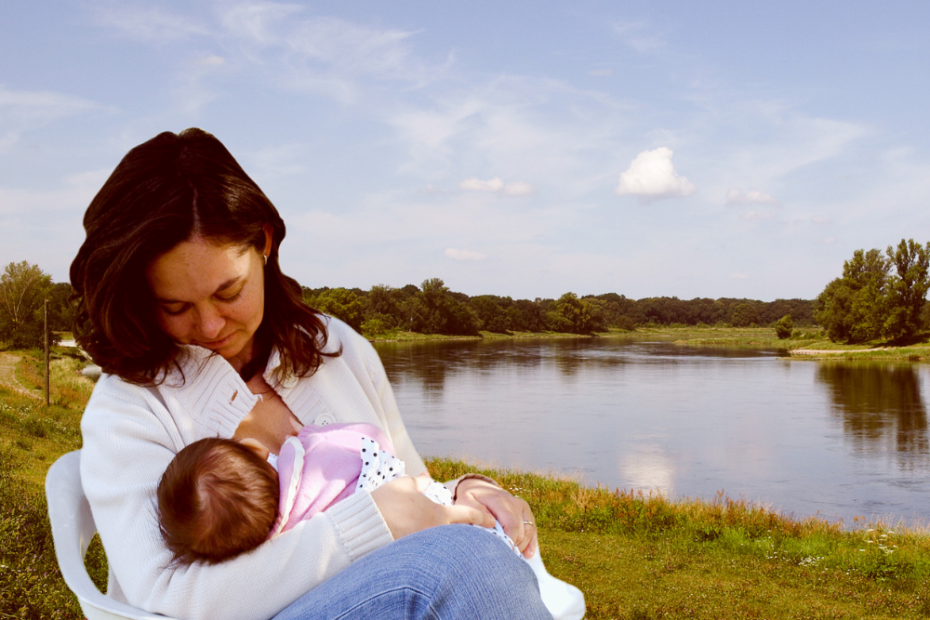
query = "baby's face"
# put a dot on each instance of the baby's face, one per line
(256, 446)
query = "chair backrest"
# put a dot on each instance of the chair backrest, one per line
(72, 529)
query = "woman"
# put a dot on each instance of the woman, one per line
(183, 304)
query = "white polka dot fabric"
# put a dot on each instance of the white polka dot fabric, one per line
(378, 466)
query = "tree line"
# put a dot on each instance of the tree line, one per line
(430, 308)
(881, 295)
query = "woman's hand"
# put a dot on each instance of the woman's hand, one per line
(513, 512)
(406, 510)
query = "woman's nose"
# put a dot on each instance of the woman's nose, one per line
(211, 323)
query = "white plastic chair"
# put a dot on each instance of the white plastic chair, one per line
(72, 529)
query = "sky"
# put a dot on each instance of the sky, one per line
(525, 149)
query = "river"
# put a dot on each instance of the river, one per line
(836, 439)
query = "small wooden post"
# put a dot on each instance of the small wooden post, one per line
(47, 365)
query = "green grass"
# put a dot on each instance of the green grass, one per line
(635, 556)
(805, 338)
(32, 436)
(643, 556)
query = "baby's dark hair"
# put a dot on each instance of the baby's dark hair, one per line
(216, 499)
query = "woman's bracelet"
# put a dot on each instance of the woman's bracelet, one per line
(458, 481)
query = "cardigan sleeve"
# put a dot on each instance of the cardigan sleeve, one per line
(129, 439)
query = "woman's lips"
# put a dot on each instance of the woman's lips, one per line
(216, 344)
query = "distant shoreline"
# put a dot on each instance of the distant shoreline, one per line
(806, 343)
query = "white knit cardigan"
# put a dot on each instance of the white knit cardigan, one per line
(131, 433)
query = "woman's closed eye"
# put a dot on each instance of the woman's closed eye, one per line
(230, 298)
(175, 309)
(181, 308)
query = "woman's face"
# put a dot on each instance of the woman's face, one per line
(210, 294)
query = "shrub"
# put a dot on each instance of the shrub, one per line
(783, 327)
(626, 324)
(377, 325)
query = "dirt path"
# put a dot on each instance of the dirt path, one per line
(8, 375)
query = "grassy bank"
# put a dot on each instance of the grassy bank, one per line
(686, 335)
(635, 556)
(640, 556)
(32, 436)
(804, 343)
(397, 335)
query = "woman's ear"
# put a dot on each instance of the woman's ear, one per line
(269, 243)
(269, 240)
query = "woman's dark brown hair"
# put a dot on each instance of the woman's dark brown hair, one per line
(165, 191)
(216, 499)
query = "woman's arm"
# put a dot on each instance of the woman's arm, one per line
(129, 438)
(476, 493)
(407, 510)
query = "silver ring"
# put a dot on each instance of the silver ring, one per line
(529, 523)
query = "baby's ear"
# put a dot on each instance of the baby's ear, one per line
(256, 446)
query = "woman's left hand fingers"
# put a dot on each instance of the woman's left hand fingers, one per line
(514, 513)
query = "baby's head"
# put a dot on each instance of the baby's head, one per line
(217, 498)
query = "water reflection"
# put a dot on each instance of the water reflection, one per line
(837, 439)
(880, 406)
(431, 363)
(648, 468)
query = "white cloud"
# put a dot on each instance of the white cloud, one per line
(828, 240)
(529, 128)
(779, 139)
(464, 254)
(519, 188)
(146, 23)
(756, 215)
(256, 21)
(737, 197)
(651, 176)
(636, 35)
(601, 72)
(739, 275)
(474, 184)
(497, 185)
(353, 48)
(194, 90)
(279, 160)
(819, 219)
(39, 106)
(211, 61)
(73, 194)
(21, 111)
(321, 54)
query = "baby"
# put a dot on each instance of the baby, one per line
(219, 498)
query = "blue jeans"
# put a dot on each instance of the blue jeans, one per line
(452, 572)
